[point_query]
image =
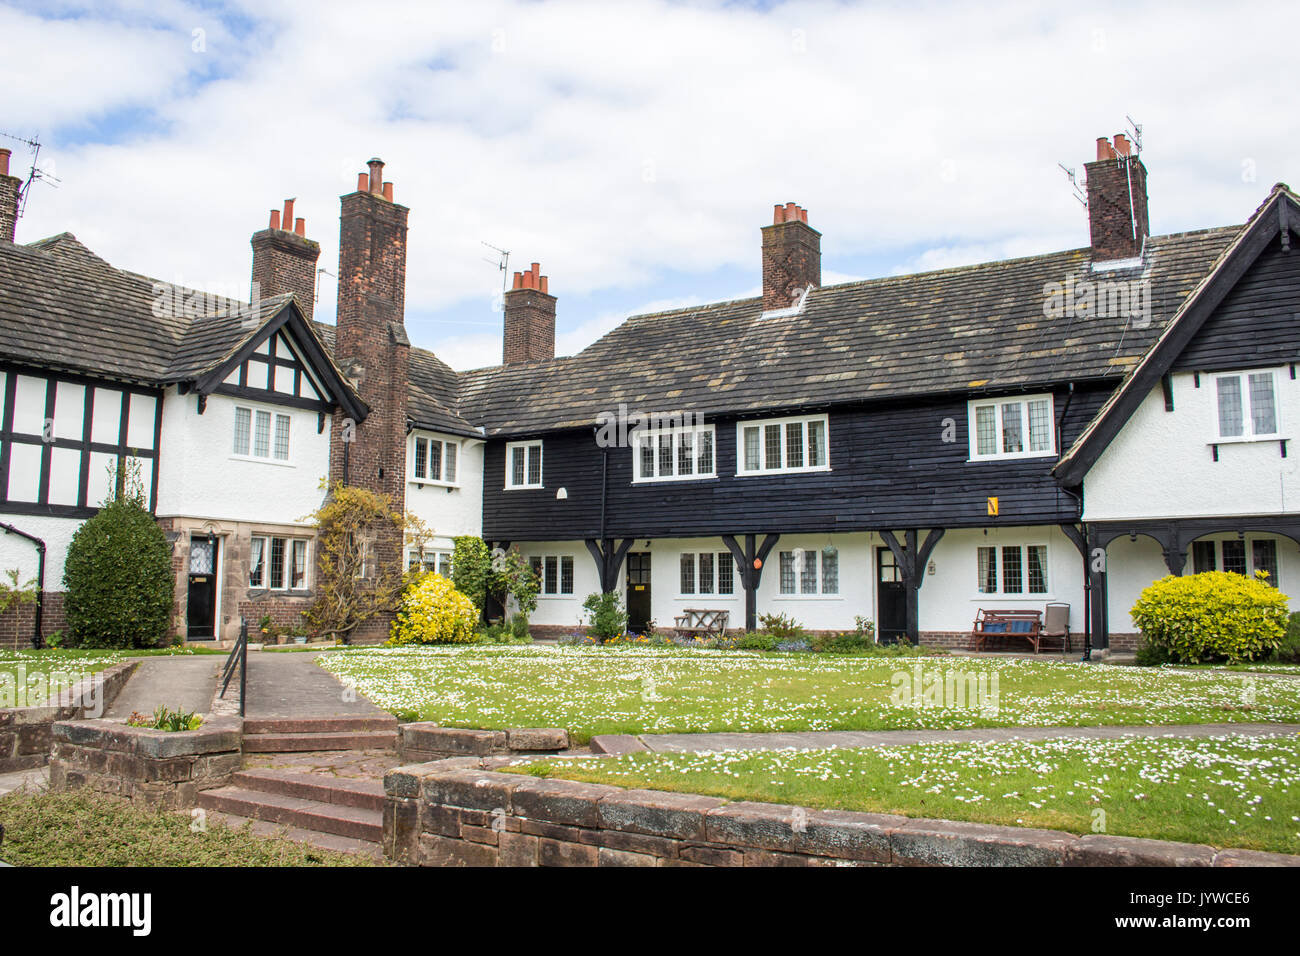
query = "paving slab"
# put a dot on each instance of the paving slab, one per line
(816, 739)
(294, 685)
(185, 683)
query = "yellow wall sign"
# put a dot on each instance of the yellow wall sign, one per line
(993, 507)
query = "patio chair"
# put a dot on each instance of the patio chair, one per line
(1056, 626)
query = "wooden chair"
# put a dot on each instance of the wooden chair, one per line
(1056, 626)
(696, 622)
(1016, 623)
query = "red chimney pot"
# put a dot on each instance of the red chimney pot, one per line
(300, 227)
(275, 219)
(286, 220)
(4, 162)
(388, 191)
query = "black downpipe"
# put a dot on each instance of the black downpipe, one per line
(604, 498)
(40, 577)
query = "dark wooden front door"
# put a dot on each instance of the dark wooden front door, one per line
(891, 599)
(201, 603)
(638, 591)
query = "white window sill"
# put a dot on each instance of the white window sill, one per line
(808, 597)
(706, 597)
(555, 597)
(1248, 439)
(655, 481)
(1033, 598)
(263, 461)
(434, 484)
(783, 471)
(524, 488)
(1017, 457)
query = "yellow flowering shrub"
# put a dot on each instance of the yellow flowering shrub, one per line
(1213, 615)
(432, 611)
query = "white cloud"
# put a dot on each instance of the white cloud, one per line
(619, 143)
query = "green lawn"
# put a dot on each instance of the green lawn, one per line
(1226, 792)
(82, 828)
(27, 678)
(598, 690)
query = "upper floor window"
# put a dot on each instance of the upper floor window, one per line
(1012, 569)
(1012, 428)
(782, 445)
(672, 453)
(1247, 405)
(524, 464)
(434, 460)
(800, 567)
(261, 434)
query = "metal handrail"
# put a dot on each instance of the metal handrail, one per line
(238, 656)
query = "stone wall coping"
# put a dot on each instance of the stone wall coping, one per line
(464, 783)
(215, 735)
(76, 694)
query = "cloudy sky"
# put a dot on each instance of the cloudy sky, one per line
(633, 148)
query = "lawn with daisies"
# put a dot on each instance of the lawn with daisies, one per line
(1221, 791)
(630, 690)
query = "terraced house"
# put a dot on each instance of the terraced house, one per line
(1058, 429)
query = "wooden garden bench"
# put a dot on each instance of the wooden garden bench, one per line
(1027, 624)
(695, 622)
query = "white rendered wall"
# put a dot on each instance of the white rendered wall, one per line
(16, 552)
(1161, 465)
(201, 476)
(563, 610)
(450, 511)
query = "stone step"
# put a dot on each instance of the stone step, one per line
(334, 740)
(341, 791)
(352, 822)
(313, 838)
(319, 725)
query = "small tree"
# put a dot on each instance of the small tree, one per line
(606, 617)
(352, 584)
(512, 577)
(12, 592)
(471, 564)
(118, 572)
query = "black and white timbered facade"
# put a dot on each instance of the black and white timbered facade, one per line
(1058, 429)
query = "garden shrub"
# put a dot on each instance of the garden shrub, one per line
(779, 625)
(1288, 651)
(470, 563)
(756, 642)
(118, 574)
(606, 616)
(1216, 615)
(432, 611)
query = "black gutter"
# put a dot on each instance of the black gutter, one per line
(40, 576)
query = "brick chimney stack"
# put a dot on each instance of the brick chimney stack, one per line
(1117, 201)
(284, 260)
(372, 349)
(530, 319)
(792, 256)
(10, 189)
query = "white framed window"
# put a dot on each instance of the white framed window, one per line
(434, 461)
(807, 572)
(706, 572)
(439, 562)
(523, 464)
(1237, 555)
(1012, 570)
(261, 433)
(1020, 427)
(554, 572)
(278, 563)
(674, 454)
(782, 446)
(1246, 406)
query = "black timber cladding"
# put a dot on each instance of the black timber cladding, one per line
(890, 468)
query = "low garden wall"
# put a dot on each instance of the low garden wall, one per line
(26, 733)
(454, 813)
(422, 741)
(155, 768)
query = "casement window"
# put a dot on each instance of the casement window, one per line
(707, 572)
(782, 446)
(1247, 406)
(806, 572)
(669, 454)
(434, 461)
(261, 434)
(1237, 555)
(1020, 427)
(1012, 569)
(277, 564)
(555, 572)
(439, 562)
(523, 464)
